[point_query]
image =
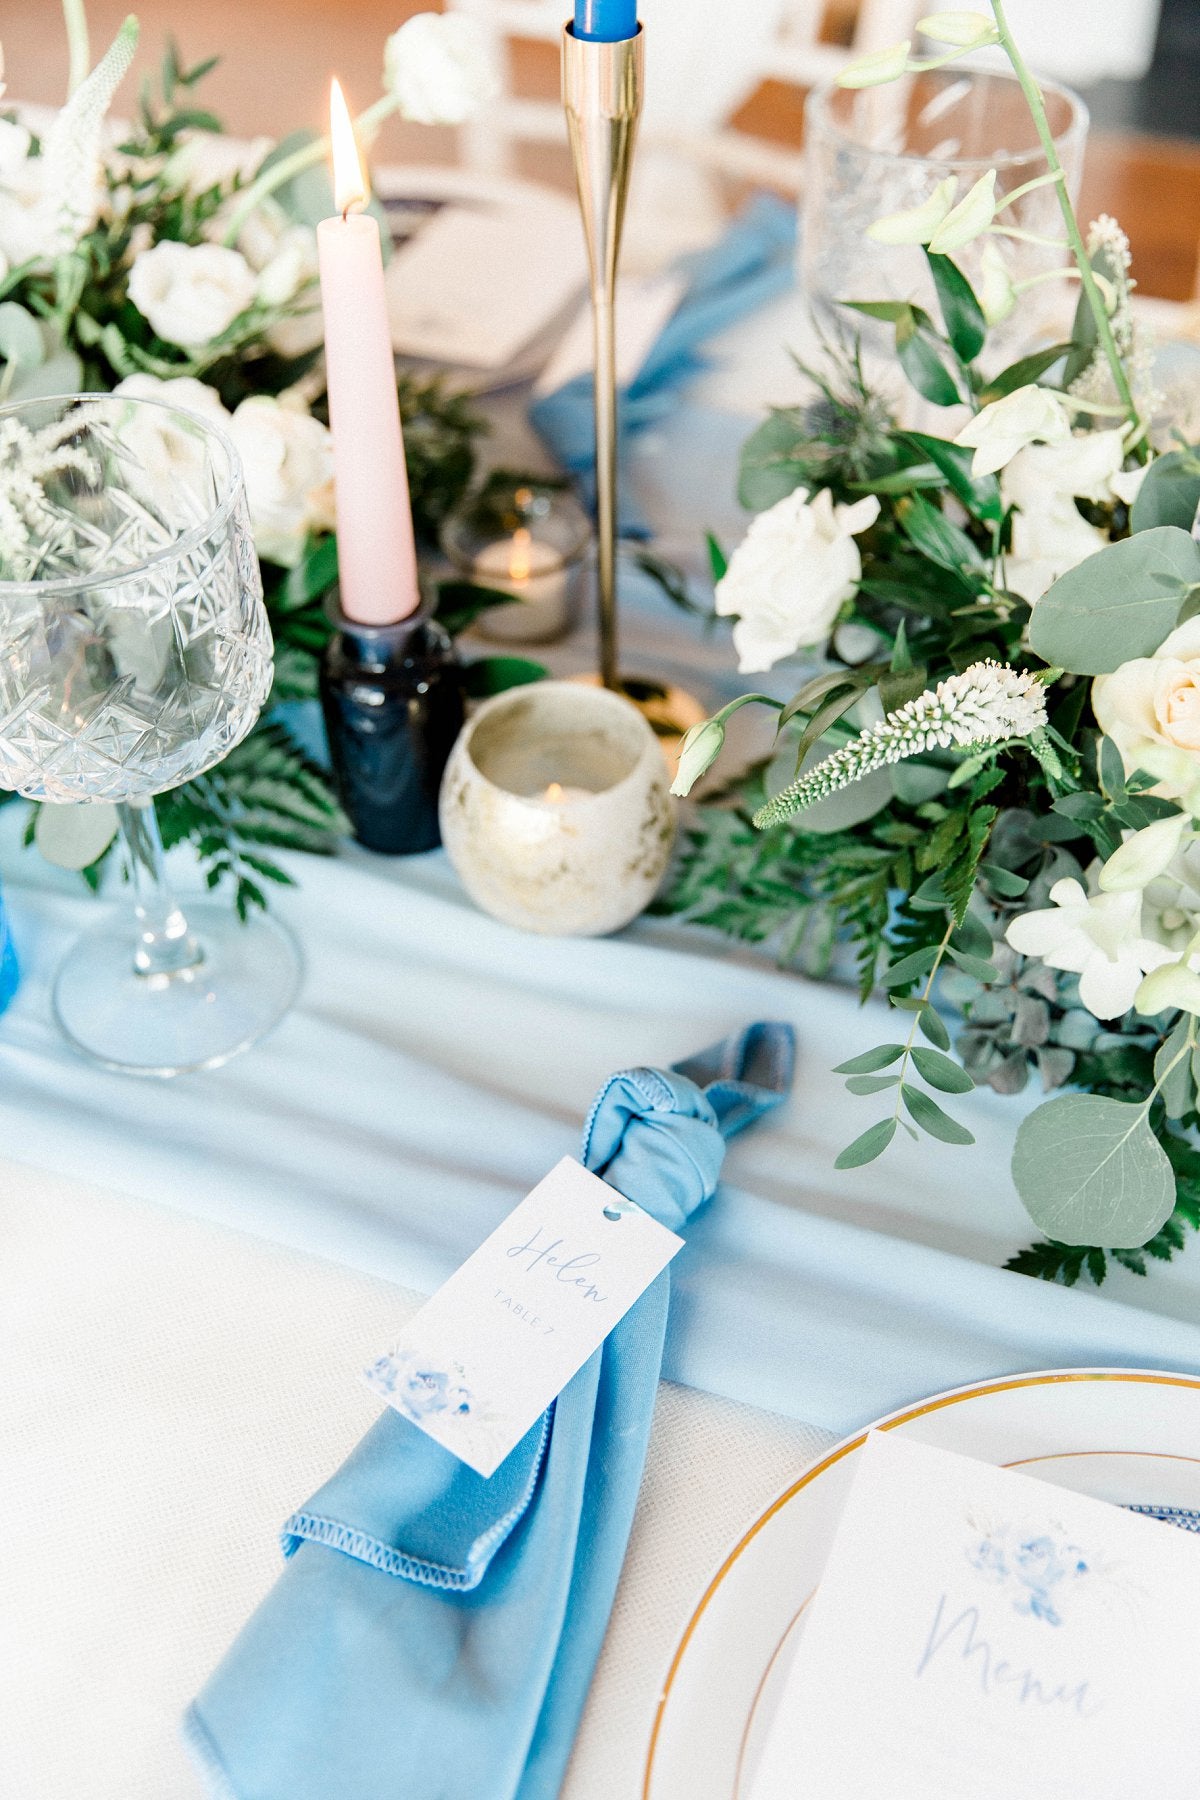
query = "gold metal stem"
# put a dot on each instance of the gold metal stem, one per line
(602, 97)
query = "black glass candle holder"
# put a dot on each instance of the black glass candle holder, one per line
(392, 696)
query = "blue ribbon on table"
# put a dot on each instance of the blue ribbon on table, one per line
(749, 265)
(433, 1633)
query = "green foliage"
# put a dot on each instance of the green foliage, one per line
(1118, 604)
(1090, 1170)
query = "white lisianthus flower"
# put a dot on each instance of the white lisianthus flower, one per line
(1029, 415)
(191, 293)
(917, 224)
(1127, 485)
(161, 444)
(288, 459)
(1143, 856)
(1043, 481)
(963, 29)
(877, 67)
(791, 574)
(1150, 708)
(1095, 936)
(995, 291)
(1176, 984)
(698, 752)
(964, 223)
(438, 67)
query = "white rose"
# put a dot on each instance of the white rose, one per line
(27, 214)
(1043, 481)
(284, 257)
(1150, 708)
(438, 68)
(191, 293)
(161, 443)
(1028, 415)
(288, 459)
(791, 574)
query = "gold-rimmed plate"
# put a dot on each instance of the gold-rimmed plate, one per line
(1131, 1436)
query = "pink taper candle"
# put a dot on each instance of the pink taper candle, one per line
(377, 561)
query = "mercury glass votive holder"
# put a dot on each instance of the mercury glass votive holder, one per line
(527, 539)
(555, 811)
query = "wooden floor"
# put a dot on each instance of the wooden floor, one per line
(278, 56)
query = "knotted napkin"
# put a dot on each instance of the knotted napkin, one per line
(433, 1633)
(750, 264)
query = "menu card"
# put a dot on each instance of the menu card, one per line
(981, 1635)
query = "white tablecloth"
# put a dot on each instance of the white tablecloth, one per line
(171, 1389)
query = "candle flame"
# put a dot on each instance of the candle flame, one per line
(554, 794)
(349, 182)
(519, 560)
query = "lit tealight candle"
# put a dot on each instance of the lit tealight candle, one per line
(377, 562)
(535, 574)
(558, 795)
(554, 809)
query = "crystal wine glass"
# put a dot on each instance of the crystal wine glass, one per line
(134, 654)
(874, 151)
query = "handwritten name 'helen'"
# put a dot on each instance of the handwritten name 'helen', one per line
(560, 1266)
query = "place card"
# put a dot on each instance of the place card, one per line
(979, 1635)
(485, 1357)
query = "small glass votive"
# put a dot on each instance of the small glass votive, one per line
(527, 539)
(555, 811)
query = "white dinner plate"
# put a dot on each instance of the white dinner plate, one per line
(1126, 1435)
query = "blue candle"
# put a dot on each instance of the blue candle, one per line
(605, 21)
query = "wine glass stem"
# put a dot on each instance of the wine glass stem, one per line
(165, 945)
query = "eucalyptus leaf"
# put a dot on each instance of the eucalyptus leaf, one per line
(932, 1026)
(908, 968)
(1173, 1071)
(866, 1148)
(871, 1060)
(74, 836)
(1170, 492)
(1090, 1170)
(1118, 604)
(871, 1084)
(941, 1071)
(930, 1117)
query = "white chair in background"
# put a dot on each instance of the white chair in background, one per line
(705, 60)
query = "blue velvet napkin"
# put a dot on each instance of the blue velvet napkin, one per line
(749, 265)
(433, 1633)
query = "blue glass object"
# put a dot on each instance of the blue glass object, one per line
(605, 21)
(8, 960)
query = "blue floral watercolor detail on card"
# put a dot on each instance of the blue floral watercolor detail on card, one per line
(419, 1391)
(1036, 1572)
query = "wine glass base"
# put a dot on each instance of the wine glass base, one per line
(164, 1025)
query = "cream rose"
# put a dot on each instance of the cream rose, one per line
(191, 293)
(791, 574)
(1150, 708)
(288, 459)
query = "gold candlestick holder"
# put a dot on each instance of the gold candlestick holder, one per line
(602, 97)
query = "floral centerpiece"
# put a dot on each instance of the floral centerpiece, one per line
(990, 789)
(162, 258)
